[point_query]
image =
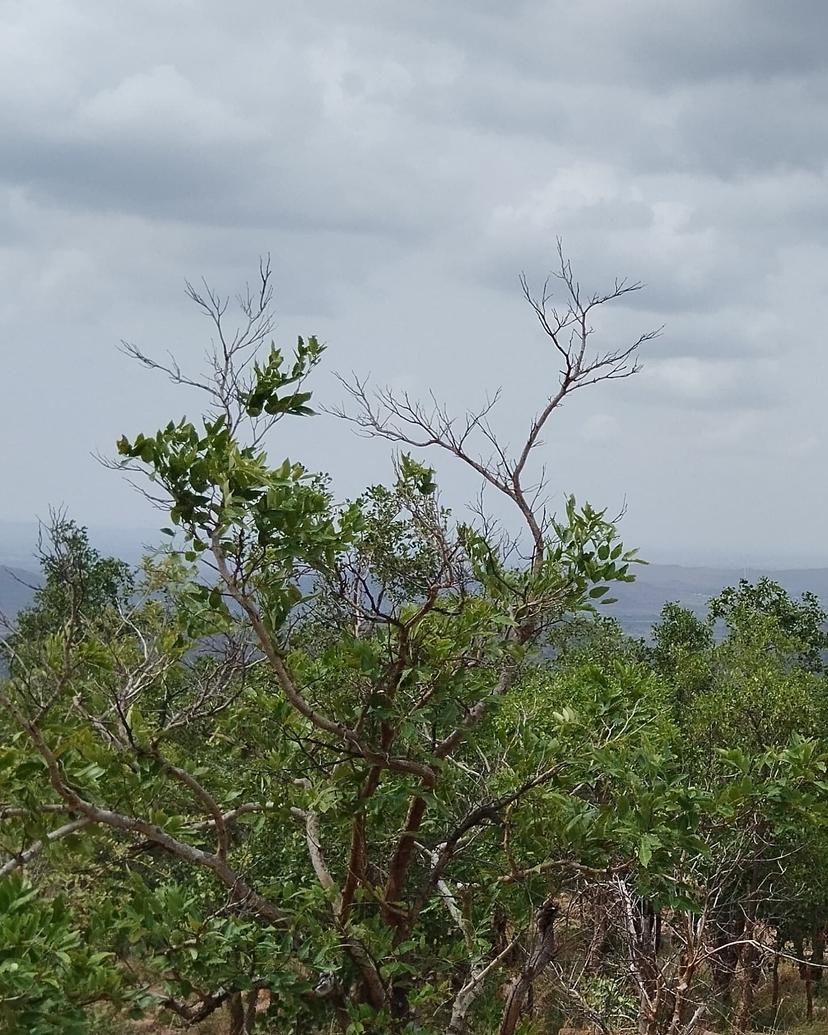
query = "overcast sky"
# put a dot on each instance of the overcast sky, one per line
(403, 162)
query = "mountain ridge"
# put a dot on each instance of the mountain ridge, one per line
(638, 603)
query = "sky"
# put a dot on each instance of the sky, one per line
(403, 162)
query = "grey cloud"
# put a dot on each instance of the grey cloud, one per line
(742, 127)
(706, 383)
(403, 162)
(640, 41)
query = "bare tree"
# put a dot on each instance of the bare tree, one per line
(568, 326)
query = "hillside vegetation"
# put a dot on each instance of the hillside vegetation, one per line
(364, 767)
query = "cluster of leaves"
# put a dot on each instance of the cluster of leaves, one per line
(51, 970)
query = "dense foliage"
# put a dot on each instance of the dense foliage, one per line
(363, 767)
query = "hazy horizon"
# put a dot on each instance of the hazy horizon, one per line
(18, 539)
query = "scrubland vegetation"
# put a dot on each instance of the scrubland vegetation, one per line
(376, 767)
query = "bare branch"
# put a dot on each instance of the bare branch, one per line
(400, 419)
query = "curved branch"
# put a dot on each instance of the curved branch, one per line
(21, 859)
(242, 892)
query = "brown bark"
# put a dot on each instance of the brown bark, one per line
(357, 859)
(243, 1012)
(749, 968)
(251, 1009)
(400, 861)
(236, 1010)
(817, 952)
(540, 956)
(799, 952)
(725, 960)
(686, 974)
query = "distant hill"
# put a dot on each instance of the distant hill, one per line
(18, 542)
(640, 602)
(15, 589)
(18, 561)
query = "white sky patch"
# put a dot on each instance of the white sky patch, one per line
(600, 428)
(699, 382)
(162, 103)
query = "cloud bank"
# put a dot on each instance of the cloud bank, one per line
(403, 163)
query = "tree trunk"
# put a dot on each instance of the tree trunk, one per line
(817, 952)
(599, 921)
(725, 961)
(749, 966)
(243, 1012)
(686, 973)
(400, 1008)
(236, 1014)
(251, 1010)
(541, 954)
(799, 952)
(648, 1012)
